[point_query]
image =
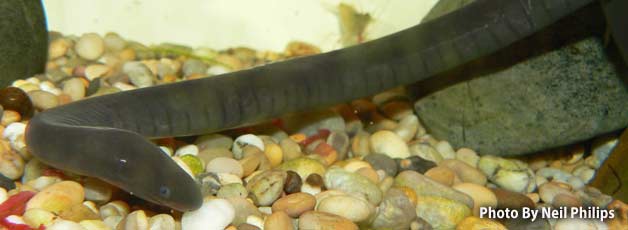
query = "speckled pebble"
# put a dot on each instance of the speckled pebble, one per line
(139, 74)
(395, 212)
(353, 183)
(266, 187)
(441, 213)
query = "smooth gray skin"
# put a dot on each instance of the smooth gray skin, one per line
(104, 136)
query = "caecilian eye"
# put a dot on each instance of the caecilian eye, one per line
(164, 192)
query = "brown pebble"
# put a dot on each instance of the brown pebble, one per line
(621, 215)
(278, 221)
(293, 183)
(441, 174)
(314, 180)
(565, 200)
(322, 220)
(13, 98)
(295, 204)
(77, 213)
(245, 226)
(512, 200)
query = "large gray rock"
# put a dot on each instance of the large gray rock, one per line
(558, 98)
(23, 40)
(536, 94)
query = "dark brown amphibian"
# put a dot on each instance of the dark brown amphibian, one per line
(106, 137)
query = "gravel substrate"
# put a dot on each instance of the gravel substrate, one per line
(366, 164)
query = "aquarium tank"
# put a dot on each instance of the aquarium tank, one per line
(313, 114)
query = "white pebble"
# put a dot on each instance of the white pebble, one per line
(244, 140)
(49, 87)
(123, 86)
(3, 195)
(13, 131)
(445, 150)
(166, 150)
(33, 80)
(187, 150)
(213, 214)
(61, 224)
(389, 143)
(90, 46)
(217, 70)
(74, 88)
(255, 221)
(15, 219)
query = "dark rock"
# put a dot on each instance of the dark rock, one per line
(383, 162)
(6, 183)
(511, 200)
(23, 40)
(293, 183)
(560, 86)
(525, 224)
(415, 163)
(12, 98)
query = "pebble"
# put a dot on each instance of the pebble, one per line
(43, 181)
(207, 155)
(425, 151)
(621, 215)
(35, 217)
(407, 128)
(445, 150)
(396, 212)
(58, 47)
(187, 150)
(352, 183)
(57, 197)
(314, 220)
(482, 196)
(273, 153)
(61, 224)
(389, 143)
(475, 223)
(601, 149)
(195, 164)
(248, 139)
(15, 99)
(95, 71)
(11, 163)
(468, 156)
(77, 213)
(90, 46)
(243, 209)
(360, 209)
(440, 212)
(225, 165)
(290, 148)
(441, 174)
(161, 222)
(511, 200)
(253, 160)
(113, 42)
(550, 190)
(465, 172)
(278, 221)
(303, 166)
(266, 187)
(382, 162)
(139, 74)
(340, 142)
(295, 204)
(213, 214)
(425, 187)
(9, 117)
(582, 224)
(43, 100)
(293, 183)
(74, 88)
(194, 66)
(114, 208)
(97, 190)
(416, 163)
(512, 175)
(360, 144)
(96, 225)
(585, 173)
(232, 190)
(313, 184)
